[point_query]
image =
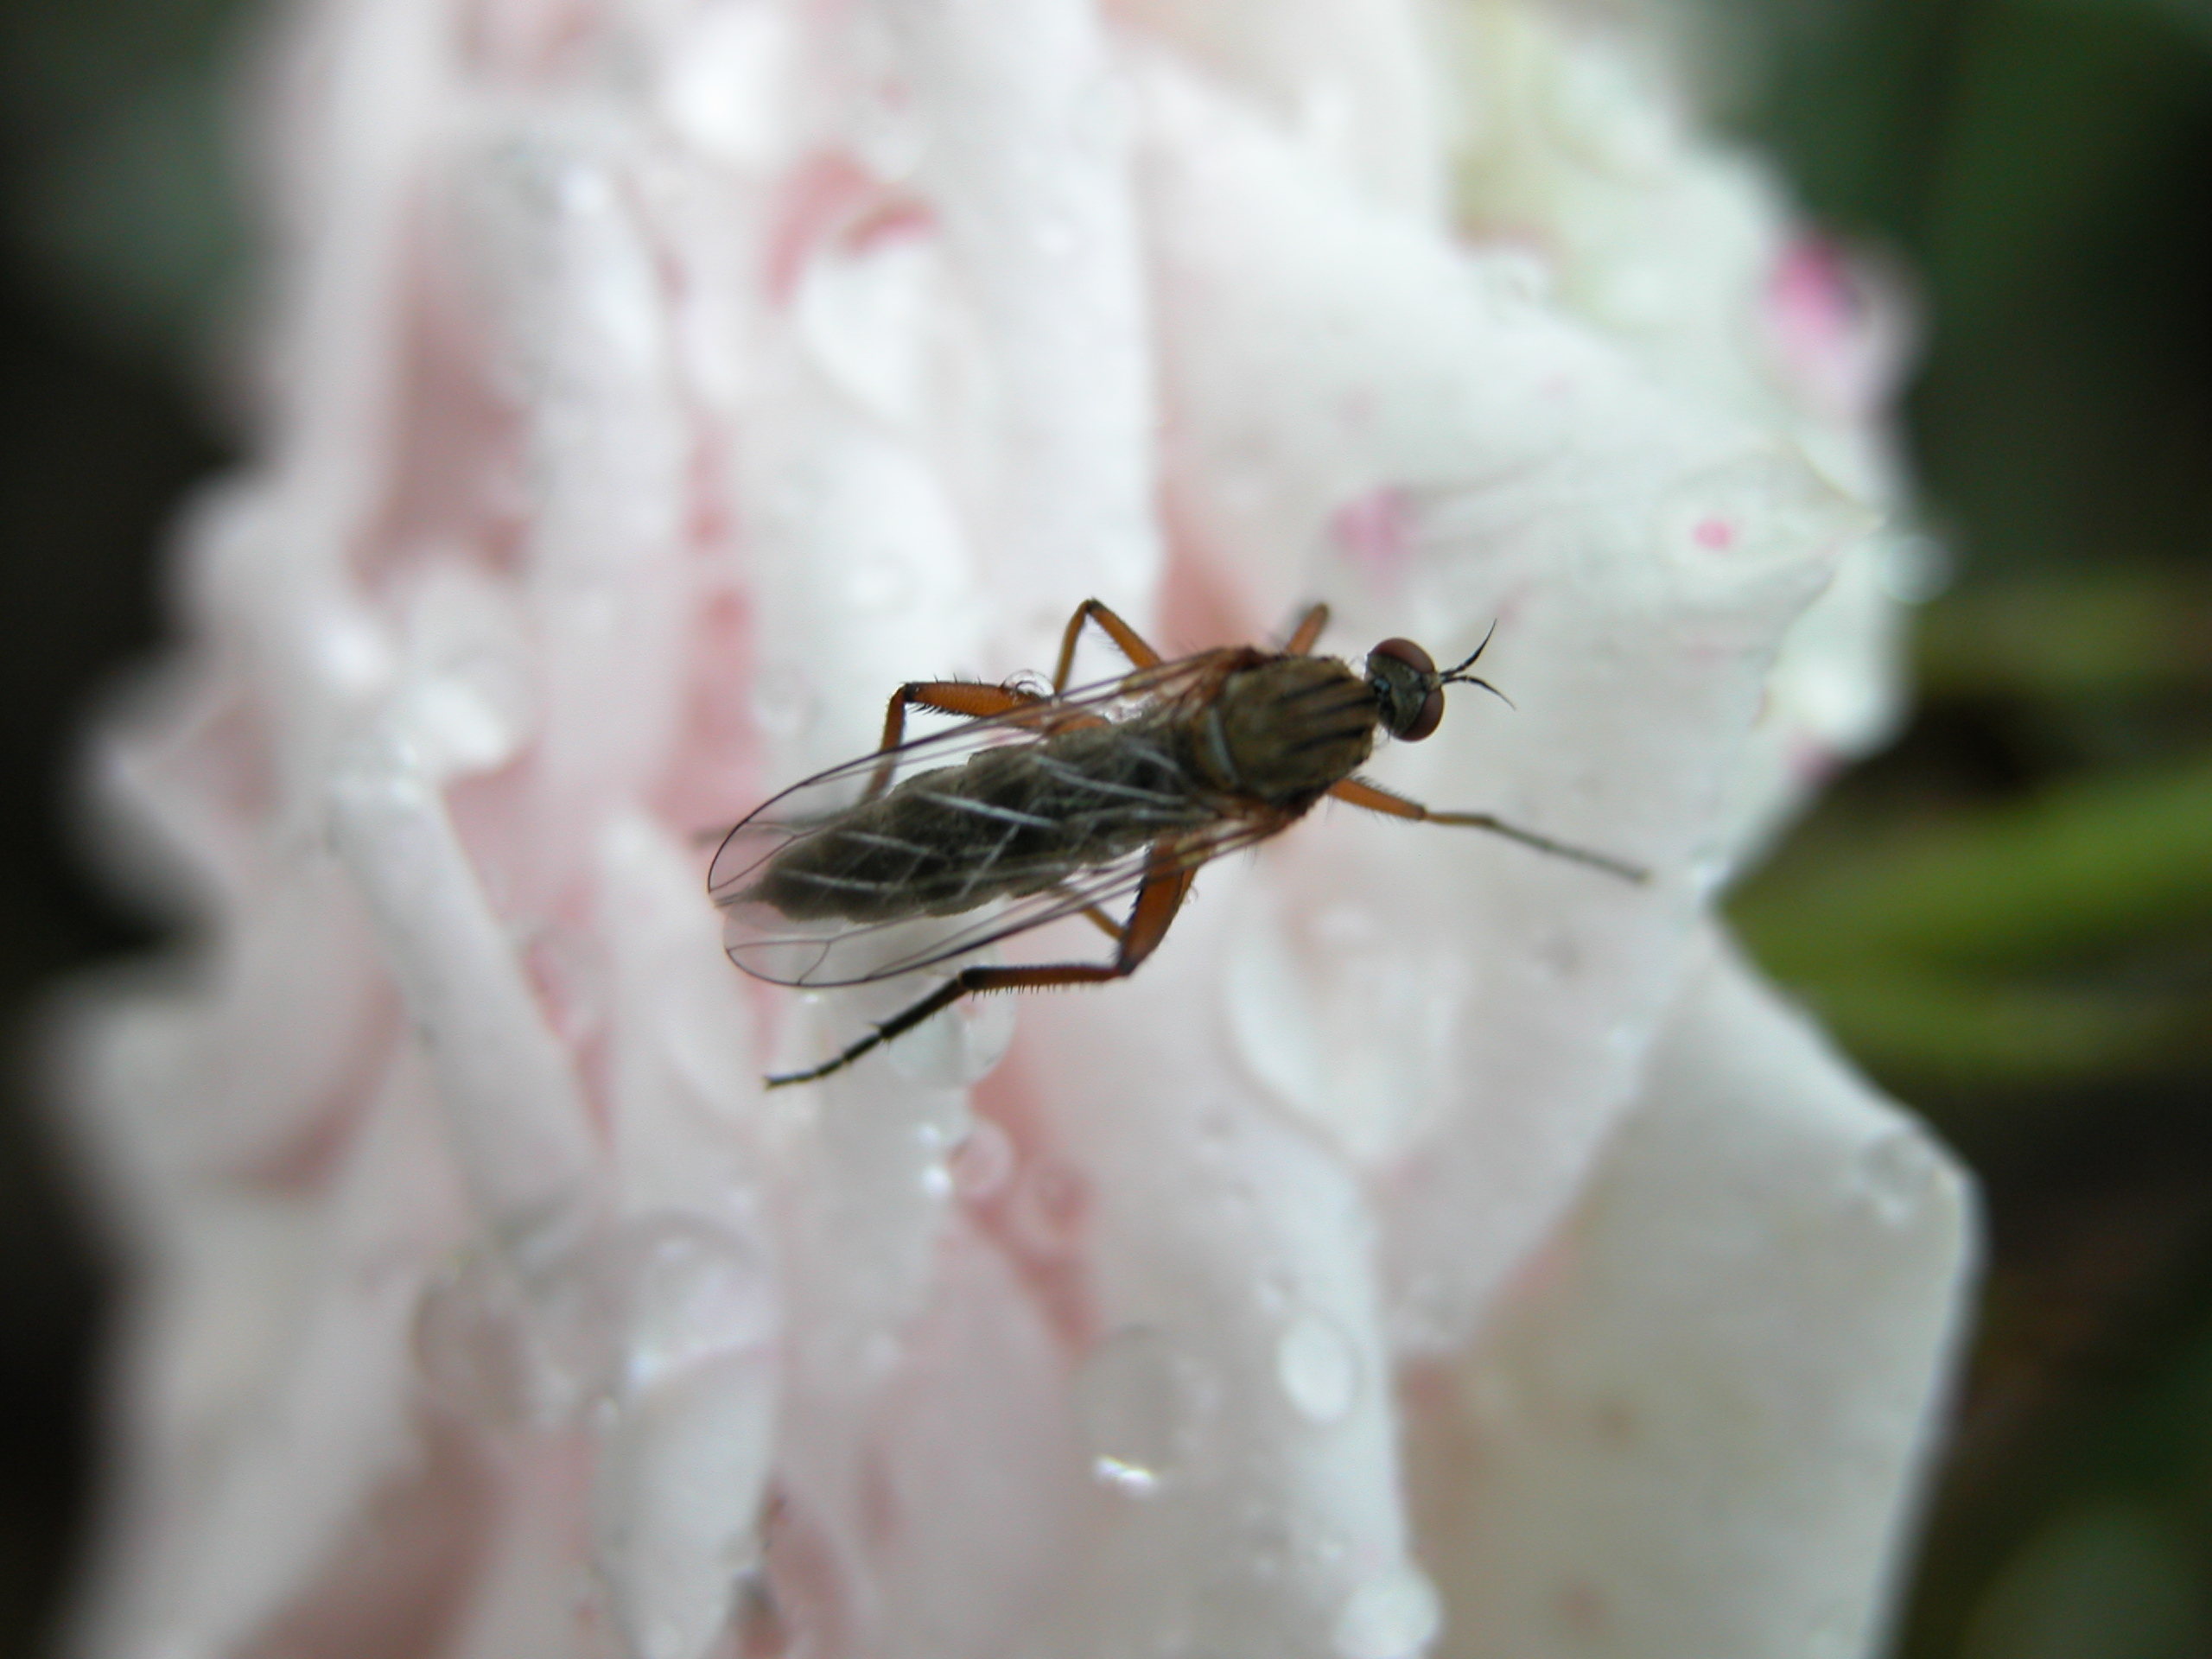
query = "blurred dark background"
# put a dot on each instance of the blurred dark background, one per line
(2007, 918)
(116, 254)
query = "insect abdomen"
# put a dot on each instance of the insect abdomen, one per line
(1009, 822)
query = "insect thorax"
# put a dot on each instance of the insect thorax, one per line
(1284, 730)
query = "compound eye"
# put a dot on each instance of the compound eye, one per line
(1432, 713)
(1413, 657)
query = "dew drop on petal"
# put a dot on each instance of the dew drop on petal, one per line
(983, 1161)
(1127, 1409)
(1892, 1176)
(781, 702)
(1710, 867)
(1319, 1368)
(673, 1293)
(1395, 1615)
(469, 1349)
(958, 1045)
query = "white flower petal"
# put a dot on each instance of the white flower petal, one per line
(1233, 1377)
(663, 383)
(1640, 557)
(1695, 1429)
(1027, 163)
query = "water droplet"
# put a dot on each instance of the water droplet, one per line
(1132, 1480)
(677, 1293)
(1394, 1615)
(1892, 1174)
(350, 651)
(728, 91)
(1127, 1404)
(469, 1348)
(983, 1161)
(959, 1046)
(781, 700)
(1709, 870)
(1319, 1368)
(456, 729)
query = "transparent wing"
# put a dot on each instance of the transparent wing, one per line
(894, 933)
(812, 806)
(769, 945)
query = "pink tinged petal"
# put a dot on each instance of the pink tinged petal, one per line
(571, 284)
(1027, 163)
(1558, 492)
(276, 1485)
(1377, 535)
(960, 1513)
(865, 573)
(520, 1128)
(732, 82)
(532, 1594)
(856, 471)
(1353, 83)
(1699, 1431)
(866, 1196)
(876, 309)
(1571, 134)
(686, 1111)
(1318, 351)
(686, 1432)
(684, 1438)
(181, 1074)
(357, 103)
(1841, 327)
(1835, 692)
(1233, 1386)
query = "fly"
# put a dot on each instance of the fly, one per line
(1048, 804)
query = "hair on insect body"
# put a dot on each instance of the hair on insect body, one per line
(1049, 804)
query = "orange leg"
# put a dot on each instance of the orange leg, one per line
(1105, 923)
(1157, 901)
(968, 697)
(1131, 642)
(1307, 630)
(1360, 792)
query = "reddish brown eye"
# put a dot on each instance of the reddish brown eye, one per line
(1432, 712)
(1415, 659)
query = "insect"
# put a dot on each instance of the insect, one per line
(1048, 804)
